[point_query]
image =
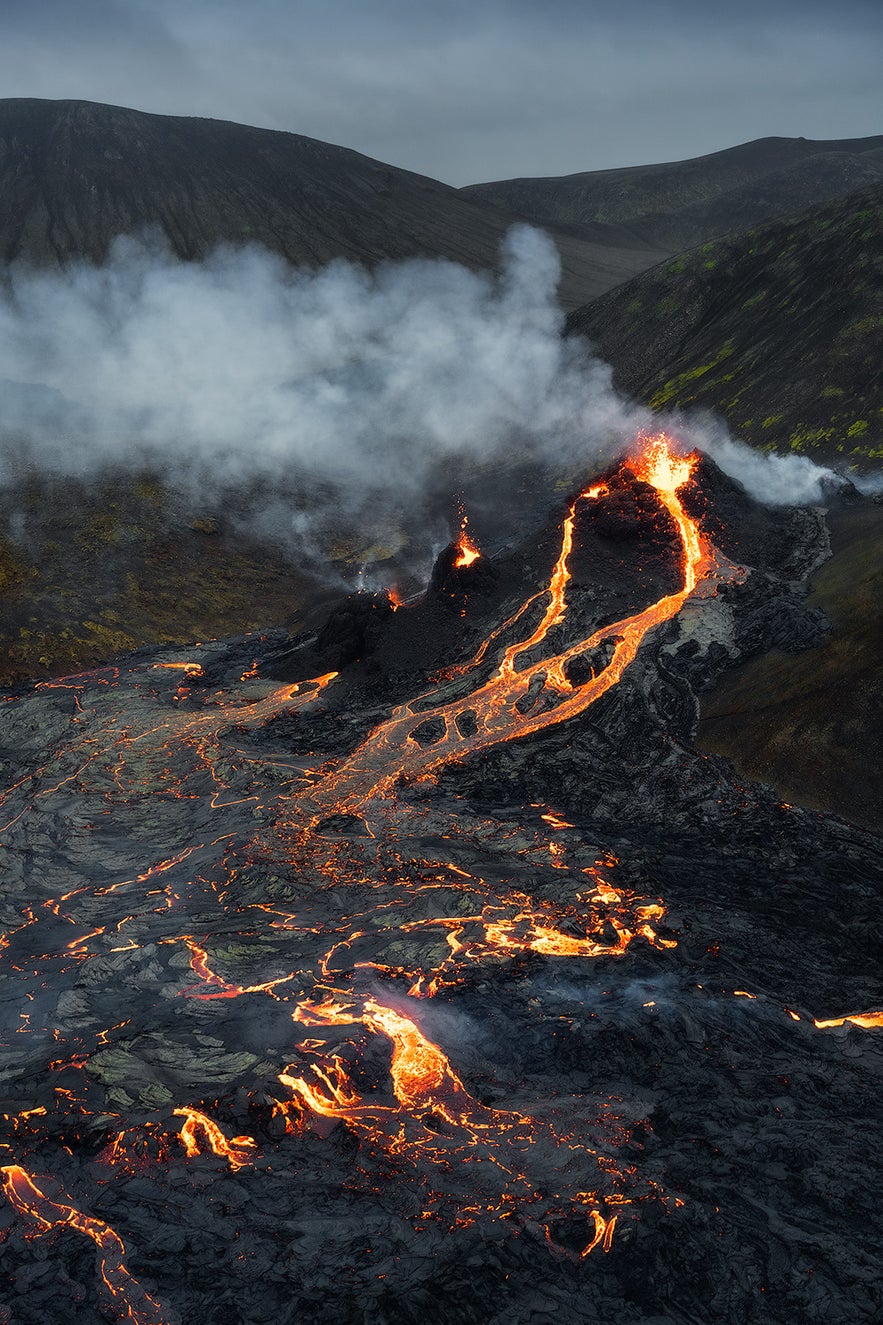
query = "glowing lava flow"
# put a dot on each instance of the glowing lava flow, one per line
(557, 605)
(507, 705)
(515, 924)
(490, 1162)
(436, 1118)
(198, 1128)
(130, 1301)
(219, 987)
(867, 1020)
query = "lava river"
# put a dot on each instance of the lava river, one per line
(282, 936)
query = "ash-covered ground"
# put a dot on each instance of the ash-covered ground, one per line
(359, 979)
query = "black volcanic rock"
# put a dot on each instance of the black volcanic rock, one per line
(352, 627)
(450, 583)
(74, 174)
(631, 943)
(678, 204)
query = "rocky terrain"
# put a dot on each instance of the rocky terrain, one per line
(74, 175)
(679, 204)
(97, 569)
(809, 725)
(420, 969)
(779, 330)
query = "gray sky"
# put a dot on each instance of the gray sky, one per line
(469, 92)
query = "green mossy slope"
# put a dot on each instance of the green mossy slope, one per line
(780, 330)
(811, 724)
(100, 569)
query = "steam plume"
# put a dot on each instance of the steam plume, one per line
(364, 386)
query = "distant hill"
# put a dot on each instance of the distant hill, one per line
(74, 174)
(779, 329)
(679, 204)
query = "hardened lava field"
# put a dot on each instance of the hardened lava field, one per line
(439, 978)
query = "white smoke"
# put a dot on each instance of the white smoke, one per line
(363, 384)
(240, 365)
(777, 480)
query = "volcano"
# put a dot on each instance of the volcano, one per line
(419, 968)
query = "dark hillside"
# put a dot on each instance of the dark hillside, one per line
(74, 174)
(811, 724)
(780, 330)
(678, 204)
(101, 568)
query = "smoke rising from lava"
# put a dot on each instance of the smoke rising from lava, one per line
(360, 389)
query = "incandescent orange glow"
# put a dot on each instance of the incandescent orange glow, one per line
(219, 987)
(467, 552)
(467, 548)
(867, 1020)
(431, 1099)
(426, 1090)
(130, 1300)
(501, 707)
(416, 1107)
(191, 668)
(419, 1071)
(199, 1128)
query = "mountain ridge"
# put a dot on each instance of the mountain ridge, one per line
(678, 204)
(75, 174)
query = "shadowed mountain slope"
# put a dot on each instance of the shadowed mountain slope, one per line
(75, 174)
(809, 724)
(678, 204)
(780, 330)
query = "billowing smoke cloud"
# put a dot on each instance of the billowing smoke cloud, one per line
(778, 480)
(359, 387)
(240, 366)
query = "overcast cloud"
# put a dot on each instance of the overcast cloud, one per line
(469, 92)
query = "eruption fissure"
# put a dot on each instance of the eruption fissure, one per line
(498, 705)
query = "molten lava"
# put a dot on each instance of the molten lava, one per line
(435, 1118)
(367, 979)
(199, 1130)
(867, 1020)
(467, 550)
(506, 706)
(129, 1299)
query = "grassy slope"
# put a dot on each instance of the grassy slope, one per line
(811, 724)
(780, 330)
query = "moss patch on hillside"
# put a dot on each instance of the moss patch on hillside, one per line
(99, 570)
(811, 724)
(780, 330)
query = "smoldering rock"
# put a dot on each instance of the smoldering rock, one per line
(350, 630)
